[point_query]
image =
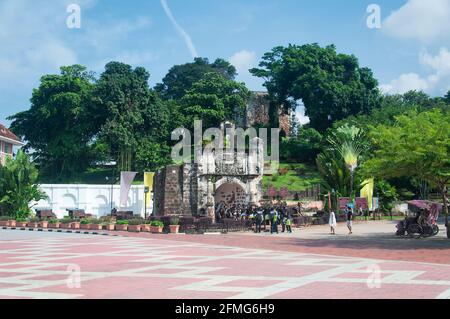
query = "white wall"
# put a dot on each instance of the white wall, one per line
(94, 199)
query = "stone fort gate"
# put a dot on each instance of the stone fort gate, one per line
(195, 189)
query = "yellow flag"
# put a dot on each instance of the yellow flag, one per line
(367, 191)
(148, 182)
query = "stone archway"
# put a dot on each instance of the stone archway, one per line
(230, 194)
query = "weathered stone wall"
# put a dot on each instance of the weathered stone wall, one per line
(175, 190)
(258, 112)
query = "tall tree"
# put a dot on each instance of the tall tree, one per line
(130, 111)
(57, 127)
(181, 78)
(418, 145)
(332, 86)
(214, 99)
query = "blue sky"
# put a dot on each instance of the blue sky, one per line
(410, 51)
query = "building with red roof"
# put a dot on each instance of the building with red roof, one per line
(7, 142)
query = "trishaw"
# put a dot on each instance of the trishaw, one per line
(423, 224)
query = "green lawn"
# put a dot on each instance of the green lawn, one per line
(296, 177)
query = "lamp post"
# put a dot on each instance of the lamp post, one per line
(113, 181)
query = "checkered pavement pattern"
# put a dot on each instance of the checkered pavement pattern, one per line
(65, 266)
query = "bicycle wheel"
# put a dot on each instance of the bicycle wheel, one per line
(414, 231)
(435, 230)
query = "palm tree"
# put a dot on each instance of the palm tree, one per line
(349, 142)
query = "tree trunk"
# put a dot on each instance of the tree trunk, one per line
(351, 185)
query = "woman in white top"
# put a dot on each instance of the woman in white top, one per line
(332, 223)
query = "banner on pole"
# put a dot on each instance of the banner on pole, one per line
(367, 192)
(126, 179)
(148, 182)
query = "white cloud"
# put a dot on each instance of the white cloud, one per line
(35, 40)
(243, 61)
(438, 81)
(439, 63)
(418, 19)
(404, 83)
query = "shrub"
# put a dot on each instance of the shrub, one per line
(174, 221)
(18, 186)
(85, 221)
(135, 222)
(108, 219)
(53, 221)
(96, 221)
(4, 218)
(157, 223)
(21, 220)
(34, 220)
(66, 220)
(122, 222)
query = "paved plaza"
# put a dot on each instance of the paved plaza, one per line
(56, 265)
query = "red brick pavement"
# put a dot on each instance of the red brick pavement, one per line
(403, 249)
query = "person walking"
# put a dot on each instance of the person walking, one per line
(332, 222)
(349, 214)
(288, 224)
(258, 220)
(273, 221)
(283, 218)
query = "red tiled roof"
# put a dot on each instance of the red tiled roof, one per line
(4, 132)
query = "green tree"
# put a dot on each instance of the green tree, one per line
(130, 111)
(180, 78)
(18, 187)
(332, 86)
(214, 99)
(447, 98)
(418, 145)
(58, 126)
(303, 147)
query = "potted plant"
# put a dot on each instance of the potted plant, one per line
(53, 223)
(33, 222)
(43, 223)
(174, 225)
(4, 221)
(134, 225)
(157, 227)
(108, 222)
(145, 227)
(109, 226)
(96, 224)
(122, 225)
(76, 224)
(66, 223)
(85, 224)
(19, 222)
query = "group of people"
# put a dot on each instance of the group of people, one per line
(261, 216)
(273, 216)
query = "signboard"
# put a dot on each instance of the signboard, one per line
(361, 202)
(343, 202)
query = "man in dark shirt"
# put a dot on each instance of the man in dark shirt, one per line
(349, 213)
